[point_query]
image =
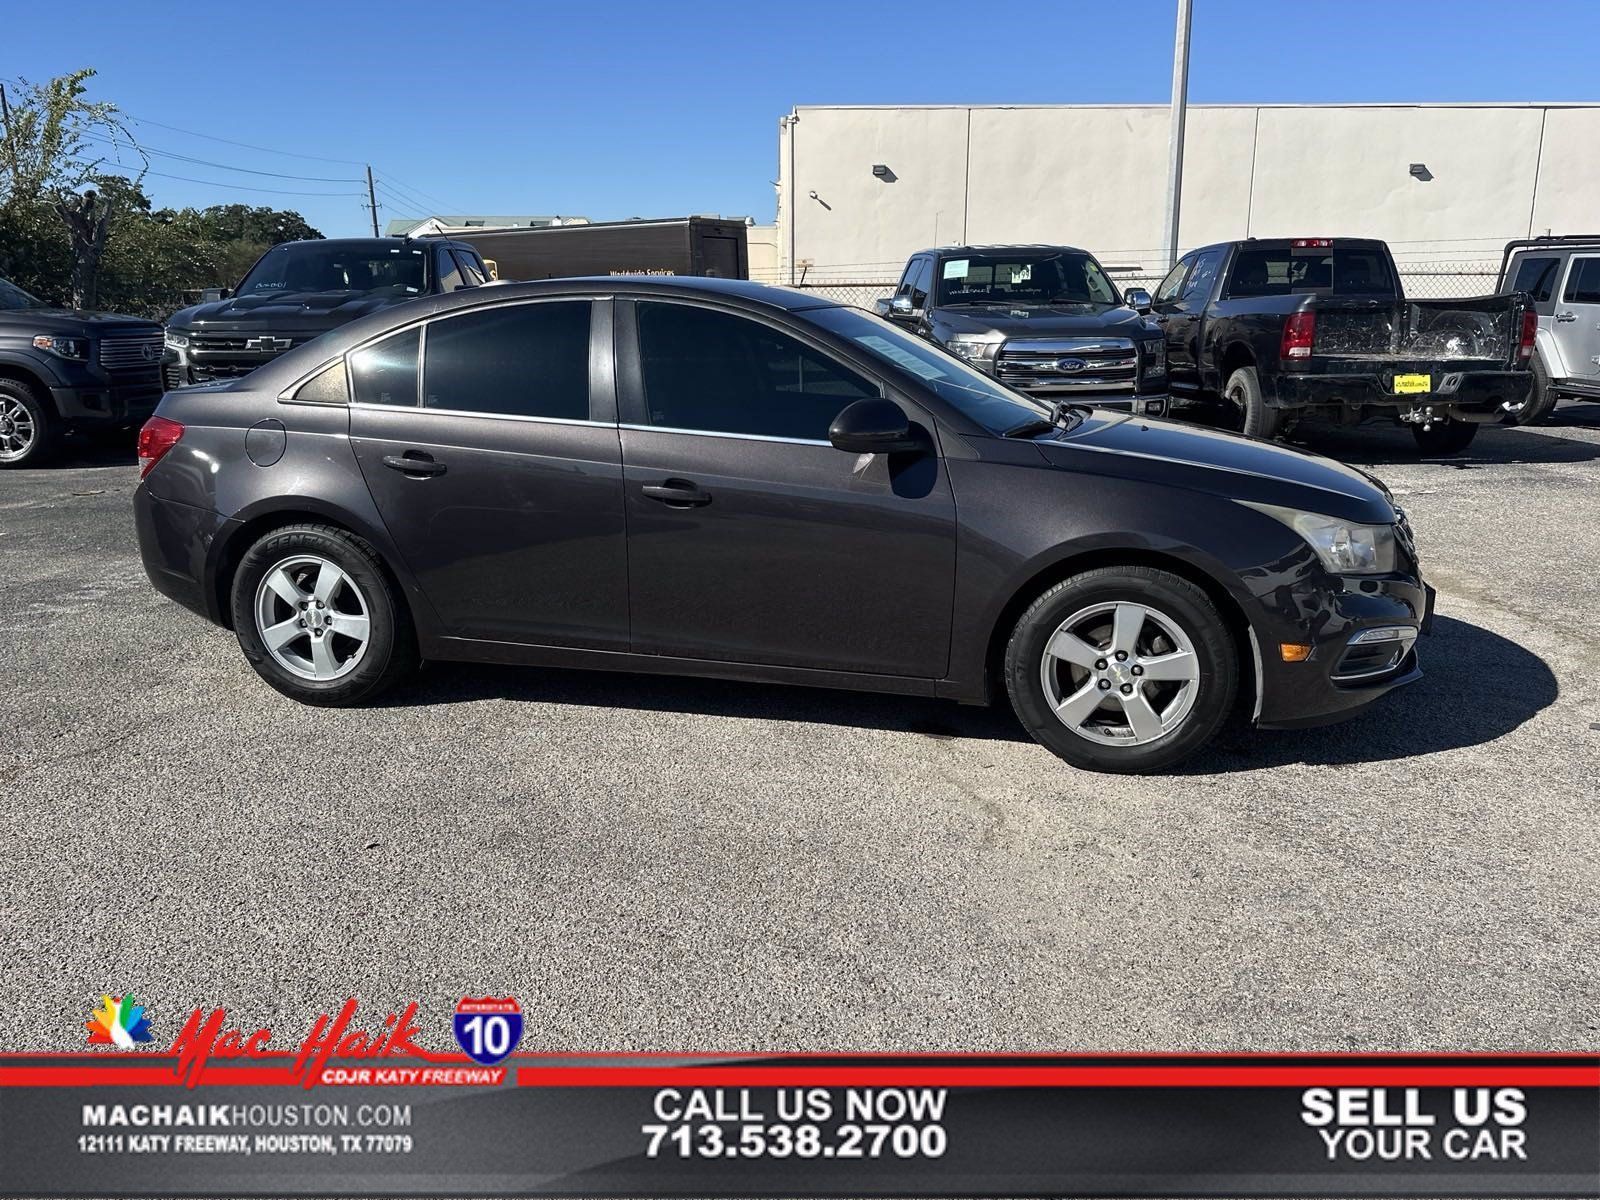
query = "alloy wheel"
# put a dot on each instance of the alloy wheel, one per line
(312, 618)
(1120, 674)
(18, 429)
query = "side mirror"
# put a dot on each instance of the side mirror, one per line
(874, 427)
(901, 309)
(1137, 299)
(210, 294)
(880, 308)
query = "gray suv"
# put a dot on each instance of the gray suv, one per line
(1562, 274)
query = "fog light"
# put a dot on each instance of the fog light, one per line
(1386, 633)
(1294, 651)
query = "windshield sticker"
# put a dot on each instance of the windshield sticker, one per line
(955, 268)
(1022, 274)
(901, 355)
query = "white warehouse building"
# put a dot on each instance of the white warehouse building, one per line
(862, 187)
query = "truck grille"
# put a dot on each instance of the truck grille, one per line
(1069, 365)
(131, 352)
(231, 355)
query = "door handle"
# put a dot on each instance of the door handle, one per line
(678, 493)
(1565, 317)
(414, 463)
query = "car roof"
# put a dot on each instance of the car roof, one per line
(1003, 248)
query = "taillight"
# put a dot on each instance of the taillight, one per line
(1311, 243)
(1299, 331)
(156, 437)
(1530, 333)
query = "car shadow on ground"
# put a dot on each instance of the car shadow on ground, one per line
(121, 451)
(1478, 687)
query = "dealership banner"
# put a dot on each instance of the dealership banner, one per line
(360, 1105)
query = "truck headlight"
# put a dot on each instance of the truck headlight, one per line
(74, 349)
(1155, 356)
(979, 349)
(175, 341)
(1344, 547)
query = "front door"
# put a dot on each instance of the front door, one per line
(750, 538)
(1182, 318)
(497, 475)
(1577, 319)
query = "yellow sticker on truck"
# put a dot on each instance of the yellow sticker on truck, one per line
(1412, 385)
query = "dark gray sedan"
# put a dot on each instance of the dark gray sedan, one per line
(717, 478)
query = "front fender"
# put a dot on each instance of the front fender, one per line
(42, 367)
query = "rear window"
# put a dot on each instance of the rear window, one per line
(1346, 272)
(1536, 276)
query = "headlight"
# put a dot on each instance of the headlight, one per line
(1344, 547)
(176, 341)
(978, 349)
(1155, 356)
(76, 349)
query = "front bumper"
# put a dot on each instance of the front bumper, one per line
(1465, 394)
(1341, 676)
(90, 396)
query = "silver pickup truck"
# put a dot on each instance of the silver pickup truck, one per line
(1562, 274)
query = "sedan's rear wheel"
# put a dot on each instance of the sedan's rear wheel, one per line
(318, 618)
(1124, 669)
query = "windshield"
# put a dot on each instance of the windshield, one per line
(1048, 277)
(992, 405)
(309, 267)
(12, 297)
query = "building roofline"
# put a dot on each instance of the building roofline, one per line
(1154, 104)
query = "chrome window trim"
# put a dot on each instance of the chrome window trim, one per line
(466, 412)
(744, 437)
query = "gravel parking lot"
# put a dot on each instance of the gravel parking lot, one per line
(659, 864)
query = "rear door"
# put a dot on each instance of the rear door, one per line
(497, 469)
(1577, 319)
(750, 538)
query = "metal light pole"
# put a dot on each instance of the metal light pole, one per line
(1180, 104)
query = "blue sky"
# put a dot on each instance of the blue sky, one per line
(622, 109)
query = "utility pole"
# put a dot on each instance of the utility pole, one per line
(372, 200)
(1180, 104)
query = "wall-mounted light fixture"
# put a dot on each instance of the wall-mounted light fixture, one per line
(882, 171)
(1420, 171)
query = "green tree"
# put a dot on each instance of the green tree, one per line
(53, 150)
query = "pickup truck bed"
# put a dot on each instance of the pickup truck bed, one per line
(1279, 329)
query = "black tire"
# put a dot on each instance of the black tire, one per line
(1169, 601)
(1251, 415)
(1541, 401)
(31, 437)
(1445, 437)
(389, 651)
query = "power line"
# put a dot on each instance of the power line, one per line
(418, 191)
(205, 162)
(243, 187)
(344, 162)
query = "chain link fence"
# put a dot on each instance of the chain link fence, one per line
(863, 284)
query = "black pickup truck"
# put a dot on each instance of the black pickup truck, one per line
(300, 290)
(1281, 328)
(66, 371)
(1043, 319)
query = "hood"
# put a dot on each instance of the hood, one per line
(1044, 320)
(1221, 464)
(308, 312)
(69, 321)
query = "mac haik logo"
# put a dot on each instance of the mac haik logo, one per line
(488, 1029)
(119, 1022)
(206, 1037)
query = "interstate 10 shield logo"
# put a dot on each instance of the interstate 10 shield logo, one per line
(488, 1029)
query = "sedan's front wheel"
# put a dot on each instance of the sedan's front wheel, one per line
(1122, 669)
(317, 617)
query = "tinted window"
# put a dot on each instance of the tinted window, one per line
(1171, 285)
(524, 360)
(328, 386)
(727, 374)
(1583, 282)
(316, 267)
(1282, 272)
(1198, 289)
(1537, 276)
(386, 371)
(449, 273)
(909, 278)
(922, 283)
(471, 274)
